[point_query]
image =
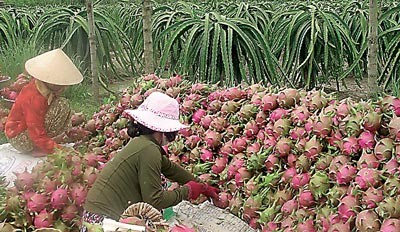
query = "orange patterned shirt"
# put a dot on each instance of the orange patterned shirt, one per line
(28, 113)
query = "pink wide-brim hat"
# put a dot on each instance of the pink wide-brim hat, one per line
(158, 112)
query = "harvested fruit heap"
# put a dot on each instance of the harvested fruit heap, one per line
(10, 93)
(283, 158)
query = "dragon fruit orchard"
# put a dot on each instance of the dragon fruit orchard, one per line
(284, 159)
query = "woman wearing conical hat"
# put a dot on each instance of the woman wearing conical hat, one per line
(39, 114)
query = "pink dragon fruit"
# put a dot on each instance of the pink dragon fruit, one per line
(288, 175)
(391, 167)
(299, 115)
(251, 129)
(59, 198)
(206, 155)
(300, 180)
(213, 139)
(239, 145)
(198, 115)
(284, 146)
(306, 199)
(371, 197)
(394, 128)
(24, 180)
(348, 207)
(367, 160)
(390, 225)
(37, 202)
(345, 174)
(269, 102)
(219, 165)
(44, 219)
(307, 225)
(78, 194)
(289, 206)
(350, 146)
(69, 213)
(277, 114)
(367, 220)
(368, 177)
(366, 140)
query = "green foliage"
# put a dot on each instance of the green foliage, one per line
(13, 57)
(294, 43)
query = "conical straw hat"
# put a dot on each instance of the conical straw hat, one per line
(54, 67)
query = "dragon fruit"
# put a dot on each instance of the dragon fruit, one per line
(350, 146)
(319, 184)
(372, 121)
(59, 198)
(219, 124)
(336, 163)
(390, 225)
(239, 145)
(323, 126)
(389, 207)
(277, 114)
(367, 221)
(368, 177)
(367, 160)
(348, 207)
(391, 167)
(307, 225)
(69, 213)
(392, 186)
(251, 129)
(37, 202)
(383, 149)
(306, 199)
(212, 139)
(371, 197)
(303, 163)
(44, 219)
(288, 97)
(300, 180)
(24, 180)
(281, 126)
(366, 140)
(299, 115)
(269, 102)
(198, 115)
(284, 146)
(78, 193)
(394, 128)
(345, 174)
(219, 165)
(289, 206)
(312, 148)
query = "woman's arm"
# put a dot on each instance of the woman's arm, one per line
(149, 170)
(34, 112)
(175, 172)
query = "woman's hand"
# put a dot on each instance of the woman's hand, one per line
(196, 188)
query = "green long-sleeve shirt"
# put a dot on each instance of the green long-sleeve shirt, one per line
(134, 175)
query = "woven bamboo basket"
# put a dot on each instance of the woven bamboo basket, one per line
(47, 230)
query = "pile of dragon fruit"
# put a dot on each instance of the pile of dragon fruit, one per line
(284, 159)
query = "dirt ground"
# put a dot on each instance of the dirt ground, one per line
(350, 88)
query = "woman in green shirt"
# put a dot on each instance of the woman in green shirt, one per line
(134, 174)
